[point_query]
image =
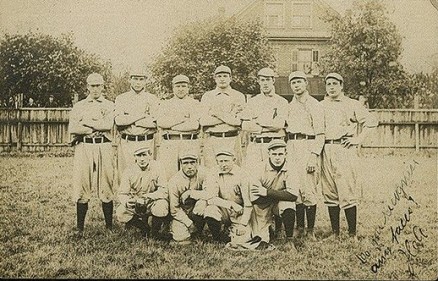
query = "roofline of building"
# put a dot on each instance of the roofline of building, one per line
(252, 3)
(298, 38)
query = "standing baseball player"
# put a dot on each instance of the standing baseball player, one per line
(187, 200)
(305, 134)
(143, 194)
(264, 118)
(178, 120)
(221, 121)
(340, 185)
(273, 192)
(91, 121)
(135, 117)
(228, 206)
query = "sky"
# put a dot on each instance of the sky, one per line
(127, 32)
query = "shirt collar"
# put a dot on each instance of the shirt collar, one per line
(303, 98)
(270, 168)
(341, 97)
(99, 99)
(272, 94)
(226, 91)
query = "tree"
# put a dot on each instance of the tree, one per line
(365, 49)
(196, 49)
(38, 65)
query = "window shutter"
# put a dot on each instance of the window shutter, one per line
(294, 65)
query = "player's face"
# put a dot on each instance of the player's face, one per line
(143, 159)
(333, 88)
(222, 80)
(95, 90)
(266, 84)
(181, 90)
(298, 86)
(138, 83)
(225, 163)
(189, 167)
(277, 156)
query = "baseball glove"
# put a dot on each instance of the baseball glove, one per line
(143, 206)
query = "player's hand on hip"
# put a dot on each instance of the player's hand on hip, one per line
(311, 163)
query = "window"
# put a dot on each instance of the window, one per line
(274, 14)
(301, 15)
(304, 60)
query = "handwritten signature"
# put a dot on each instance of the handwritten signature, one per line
(409, 248)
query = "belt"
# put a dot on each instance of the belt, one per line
(94, 140)
(180, 136)
(137, 138)
(224, 134)
(265, 139)
(299, 136)
(336, 141)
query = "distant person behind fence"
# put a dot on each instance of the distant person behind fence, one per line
(51, 102)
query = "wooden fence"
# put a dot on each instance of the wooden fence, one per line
(42, 129)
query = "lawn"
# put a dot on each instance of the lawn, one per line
(398, 243)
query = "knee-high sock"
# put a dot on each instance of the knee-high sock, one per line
(81, 212)
(334, 218)
(215, 228)
(107, 209)
(300, 215)
(278, 222)
(199, 222)
(288, 217)
(157, 222)
(351, 214)
(139, 223)
(311, 215)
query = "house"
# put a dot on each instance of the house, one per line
(299, 37)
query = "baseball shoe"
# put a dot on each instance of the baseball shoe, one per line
(299, 233)
(180, 243)
(310, 235)
(265, 246)
(332, 238)
(78, 234)
(353, 238)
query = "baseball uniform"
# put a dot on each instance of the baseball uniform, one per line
(178, 120)
(90, 124)
(266, 207)
(340, 185)
(226, 190)
(192, 209)
(135, 117)
(305, 134)
(221, 121)
(267, 118)
(148, 186)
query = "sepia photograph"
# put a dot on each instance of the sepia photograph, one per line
(219, 139)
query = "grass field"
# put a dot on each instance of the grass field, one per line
(38, 218)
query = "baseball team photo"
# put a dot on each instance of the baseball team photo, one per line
(196, 139)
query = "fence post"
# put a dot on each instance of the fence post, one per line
(417, 126)
(19, 130)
